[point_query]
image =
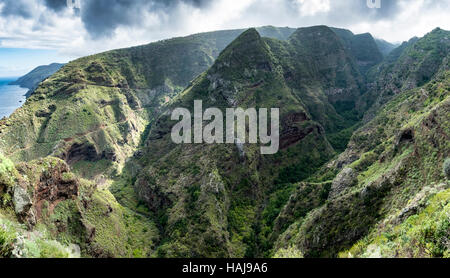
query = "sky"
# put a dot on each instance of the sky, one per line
(37, 32)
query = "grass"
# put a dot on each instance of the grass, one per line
(425, 234)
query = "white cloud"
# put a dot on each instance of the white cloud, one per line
(312, 7)
(414, 18)
(66, 32)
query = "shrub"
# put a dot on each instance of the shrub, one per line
(289, 253)
(5, 164)
(51, 249)
(6, 171)
(6, 243)
(5, 199)
(447, 168)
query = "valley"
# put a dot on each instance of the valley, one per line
(88, 167)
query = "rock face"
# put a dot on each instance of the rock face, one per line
(22, 201)
(345, 179)
(43, 183)
(23, 206)
(48, 193)
(53, 184)
(56, 184)
(446, 168)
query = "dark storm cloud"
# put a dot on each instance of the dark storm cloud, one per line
(102, 17)
(19, 8)
(56, 5)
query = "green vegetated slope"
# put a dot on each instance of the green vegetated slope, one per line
(385, 47)
(413, 64)
(63, 216)
(32, 79)
(363, 46)
(93, 113)
(106, 118)
(391, 193)
(222, 200)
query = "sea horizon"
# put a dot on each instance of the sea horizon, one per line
(12, 78)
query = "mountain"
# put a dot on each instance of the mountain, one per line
(385, 47)
(122, 92)
(89, 162)
(226, 187)
(32, 79)
(363, 47)
(389, 197)
(93, 114)
(411, 65)
(236, 192)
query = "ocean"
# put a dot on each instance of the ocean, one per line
(11, 97)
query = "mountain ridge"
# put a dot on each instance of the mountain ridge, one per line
(32, 79)
(353, 163)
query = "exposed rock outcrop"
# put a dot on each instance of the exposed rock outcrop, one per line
(44, 183)
(23, 205)
(345, 179)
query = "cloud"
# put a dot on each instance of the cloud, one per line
(102, 17)
(312, 7)
(101, 25)
(56, 5)
(20, 8)
(389, 8)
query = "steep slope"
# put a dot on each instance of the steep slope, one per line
(32, 79)
(64, 216)
(328, 80)
(108, 118)
(388, 188)
(220, 200)
(411, 65)
(94, 112)
(363, 47)
(385, 47)
(96, 109)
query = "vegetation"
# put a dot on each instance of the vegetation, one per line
(6, 243)
(446, 168)
(357, 173)
(32, 79)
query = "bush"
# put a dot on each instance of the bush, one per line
(52, 249)
(6, 243)
(289, 253)
(447, 168)
(6, 165)
(6, 171)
